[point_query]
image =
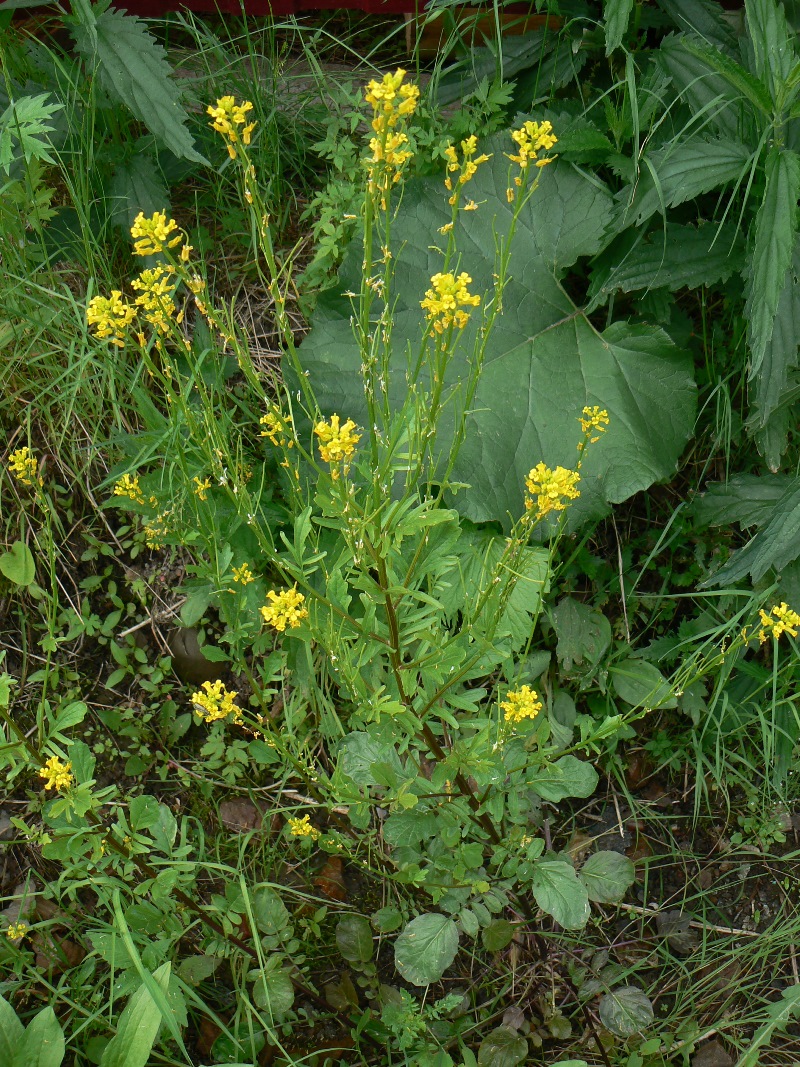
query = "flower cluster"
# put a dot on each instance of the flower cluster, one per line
(57, 775)
(780, 620)
(156, 297)
(110, 317)
(151, 236)
(521, 704)
(595, 420)
(226, 116)
(16, 931)
(336, 442)
(467, 167)
(128, 485)
(391, 101)
(303, 828)
(550, 490)
(23, 465)
(156, 530)
(216, 702)
(243, 575)
(445, 301)
(276, 428)
(285, 610)
(201, 487)
(532, 138)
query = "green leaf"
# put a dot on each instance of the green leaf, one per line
(679, 257)
(359, 752)
(11, 1031)
(133, 68)
(269, 911)
(497, 935)
(410, 827)
(502, 1047)
(779, 1014)
(607, 876)
(773, 245)
(138, 1027)
(137, 185)
(545, 359)
(18, 565)
(273, 992)
(626, 1011)
(739, 79)
(642, 684)
(748, 499)
(774, 54)
(583, 633)
(705, 18)
(616, 15)
(706, 93)
(426, 948)
(558, 891)
(354, 939)
(25, 120)
(776, 543)
(567, 777)
(43, 1042)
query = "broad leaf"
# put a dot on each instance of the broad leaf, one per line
(607, 876)
(774, 54)
(354, 938)
(558, 891)
(739, 79)
(426, 948)
(641, 684)
(616, 15)
(545, 360)
(626, 1011)
(583, 633)
(17, 564)
(137, 185)
(133, 68)
(138, 1027)
(679, 257)
(269, 912)
(748, 499)
(707, 93)
(775, 230)
(567, 777)
(11, 1031)
(502, 1047)
(705, 18)
(273, 992)
(43, 1043)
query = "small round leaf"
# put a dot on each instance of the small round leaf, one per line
(426, 948)
(626, 1011)
(274, 992)
(607, 875)
(497, 935)
(354, 938)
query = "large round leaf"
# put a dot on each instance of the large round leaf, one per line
(426, 948)
(558, 891)
(544, 362)
(626, 1011)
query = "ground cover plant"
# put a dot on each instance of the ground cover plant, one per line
(398, 580)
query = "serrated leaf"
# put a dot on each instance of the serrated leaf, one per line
(410, 827)
(25, 120)
(774, 54)
(706, 93)
(773, 245)
(740, 80)
(545, 359)
(616, 15)
(642, 684)
(558, 891)
(138, 1027)
(705, 18)
(354, 938)
(17, 564)
(567, 777)
(137, 185)
(679, 257)
(626, 1011)
(776, 544)
(748, 499)
(133, 68)
(607, 876)
(426, 948)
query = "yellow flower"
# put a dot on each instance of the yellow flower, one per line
(532, 138)
(276, 428)
(156, 296)
(391, 100)
(336, 442)
(446, 300)
(151, 235)
(521, 704)
(553, 489)
(24, 467)
(243, 575)
(216, 702)
(286, 609)
(57, 775)
(109, 317)
(467, 167)
(594, 419)
(226, 116)
(303, 828)
(16, 931)
(156, 531)
(128, 485)
(201, 488)
(780, 620)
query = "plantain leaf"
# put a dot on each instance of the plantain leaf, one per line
(133, 68)
(543, 362)
(138, 1027)
(616, 14)
(773, 244)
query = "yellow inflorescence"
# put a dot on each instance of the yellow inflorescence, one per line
(24, 466)
(595, 420)
(201, 487)
(110, 316)
(57, 775)
(336, 443)
(781, 619)
(521, 704)
(391, 101)
(550, 490)
(216, 702)
(16, 931)
(128, 485)
(152, 235)
(156, 297)
(227, 116)
(532, 138)
(467, 167)
(276, 428)
(303, 828)
(445, 301)
(243, 575)
(285, 610)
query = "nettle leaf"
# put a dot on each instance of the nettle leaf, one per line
(740, 80)
(774, 54)
(706, 18)
(544, 362)
(607, 876)
(626, 1011)
(133, 68)
(137, 185)
(558, 891)
(616, 14)
(748, 499)
(678, 257)
(426, 948)
(775, 231)
(703, 90)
